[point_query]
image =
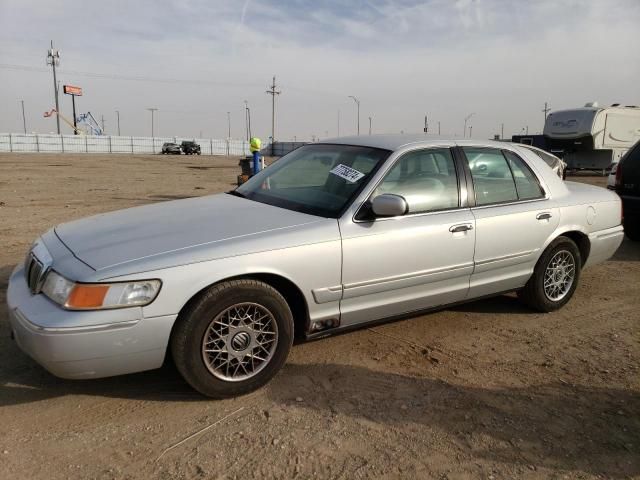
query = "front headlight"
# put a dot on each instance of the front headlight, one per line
(97, 296)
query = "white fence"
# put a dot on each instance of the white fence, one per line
(47, 143)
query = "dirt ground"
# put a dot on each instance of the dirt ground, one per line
(484, 390)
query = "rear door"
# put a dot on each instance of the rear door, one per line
(513, 219)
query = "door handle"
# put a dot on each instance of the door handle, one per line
(461, 228)
(543, 216)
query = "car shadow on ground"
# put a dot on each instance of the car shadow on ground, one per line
(628, 252)
(556, 426)
(553, 426)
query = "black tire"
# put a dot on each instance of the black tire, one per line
(533, 294)
(193, 323)
(632, 228)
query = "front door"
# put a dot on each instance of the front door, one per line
(422, 259)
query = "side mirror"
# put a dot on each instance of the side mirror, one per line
(389, 205)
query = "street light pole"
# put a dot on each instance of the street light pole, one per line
(24, 120)
(369, 125)
(53, 59)
(466, 119)
(358, 105)
(118, 120)
(152, 110)
(546, 111)
(247, 118)
(228, 124)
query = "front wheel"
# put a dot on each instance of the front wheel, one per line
(233, 339)
(555, 277)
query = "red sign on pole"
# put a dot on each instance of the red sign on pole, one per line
(72, 90)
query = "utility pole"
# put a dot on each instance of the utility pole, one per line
(118, 120)
(273, 92)
(502, 131)
(229, 125)
(358, 104)
(152, 110)
(438, 127)
(369, 125)
(466, 119)
(24, 120)
(53, 59)
(546, 110)
(102, 121)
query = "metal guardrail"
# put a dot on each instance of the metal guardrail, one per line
(51, 143)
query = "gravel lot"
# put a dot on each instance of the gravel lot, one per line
(484, 390)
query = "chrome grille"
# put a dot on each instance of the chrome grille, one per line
(34, 273)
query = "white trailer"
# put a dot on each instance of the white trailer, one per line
(592, 137)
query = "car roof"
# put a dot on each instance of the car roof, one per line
(397, 141)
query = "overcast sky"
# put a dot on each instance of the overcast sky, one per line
(195, 60)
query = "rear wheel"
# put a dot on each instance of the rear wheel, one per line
(555, 277)
(233, 339)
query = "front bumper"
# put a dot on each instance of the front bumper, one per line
(85, 344)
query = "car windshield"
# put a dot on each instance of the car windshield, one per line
(319, 179)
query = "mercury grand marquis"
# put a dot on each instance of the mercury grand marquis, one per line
(332, 236)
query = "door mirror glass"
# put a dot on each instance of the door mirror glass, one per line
(389, 205)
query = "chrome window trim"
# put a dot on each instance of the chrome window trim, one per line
(505, 204)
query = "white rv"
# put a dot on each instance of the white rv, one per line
(592, 137)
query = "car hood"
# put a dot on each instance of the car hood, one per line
(175, 228)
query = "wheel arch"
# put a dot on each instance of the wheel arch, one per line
(287, 288)
(583, 243)
(579, 237)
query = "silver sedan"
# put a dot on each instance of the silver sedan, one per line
(334, 235)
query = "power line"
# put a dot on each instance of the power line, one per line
(171, 81)
(135, 78)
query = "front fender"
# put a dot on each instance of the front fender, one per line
(309, 267)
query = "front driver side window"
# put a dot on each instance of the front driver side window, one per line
(425, 178)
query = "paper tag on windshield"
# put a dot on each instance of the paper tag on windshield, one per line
(349, 174)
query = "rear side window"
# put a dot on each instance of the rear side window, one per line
(492, 178)
(526, 182)
(425, 178)
(500, 176)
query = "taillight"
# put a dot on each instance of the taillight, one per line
(619, 174)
